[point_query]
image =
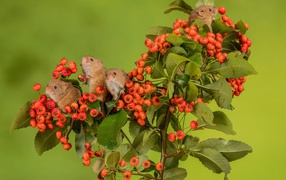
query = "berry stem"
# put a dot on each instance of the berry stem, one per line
(164, 141)
(128, 140)
(70, 129)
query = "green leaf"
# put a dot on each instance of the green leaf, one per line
(76, 127)
(110, 105)
(22, 118)
(112, 160)
(177, 50)
(221, 92)
(145, 141)
(182, 80)
(126, 152)
(79, 143)
(47, 140)
(191, 47)
(222, 123)
(174, 40)
(173, 63)
(192, 92)
(241, 27)
(173, 162)
(203, 29)
(203, 112)
(158, 71)
(234, 67)
(213, 160)
(110, 128)
(134, 128)
(230, 149)
(157, 31)
(193, 70)
(220, 27)
(190, 142)
(205, 2)
(174, 122)
(175, 173)
(98, 165)
(179, 5)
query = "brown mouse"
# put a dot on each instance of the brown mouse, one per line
(115, 81)
(94, 71)
(63, 93)
(205, 12)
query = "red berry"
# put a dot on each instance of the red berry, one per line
(159, 166)
(67, 146)
(59, 134)
(92, 98)
(66, 72)
(63, 61)
(50, 104)
(82, 116)
(99, 89)
(122, 163)
(37, 86)
(93, 112)
(86, 162)
(146, 164)
(63, 140)
(87, 145)
(81, 78)
(180, 134)
(127, 174)
(194, 125)
(55, 74)
(56, 112)
(222, 10)
(33, 122)
(134, 161)
(104, 172)
(72, 65)
(171, 137)
(85, 156)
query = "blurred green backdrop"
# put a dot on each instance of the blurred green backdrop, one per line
(34, 35)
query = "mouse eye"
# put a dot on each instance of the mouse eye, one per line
(210, 9)
(202, 11)
(114, 73)
(55, 87)
(106, 74)
(91, 59)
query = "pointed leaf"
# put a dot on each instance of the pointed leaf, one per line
(221, 92)
(179, 5)
(98, 165)
(230, 149)
(157, 31)
(190, 142)
(241, 27)
(145, 141)
(175, 173)
(193, 70)
(173, 63)
(79, 143)
(174, 40)
(47, 140)
(158, 71)
(220, 27)
(112, 160)
(22, 118)
(203, 112)
(234, 67)
(109, 129)
(222, 123)
(192, 92)
(213, 160)
(205, 2)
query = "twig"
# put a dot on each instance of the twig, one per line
(128, 140)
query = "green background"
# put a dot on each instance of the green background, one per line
(35, 35)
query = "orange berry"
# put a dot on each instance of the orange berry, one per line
(140, 77)
(159, 166)
(148, 69)
(155, 100)
(104, 172)
(92, 98)
(56, 112)
(141, 122)
(180, 134)
(37, 86)
(67, 146)
(144, 56)
(194, 125)
(147, 102)
(163, 91)
(127, 174)
(93, 112)
(63, 61)
(68, 109)
(33, 122)
(171, 137)
(140, 63)
(146, 164)
(59, 134)
(131, 106)
(72, 65)
(128, 98)
(99, 89)
(147, 88)
(120, 104)
(82, 116)
(74, 106)
(83, 108)
(86, 162)
(129, 83)
(134, 161)
(74, 116)
(140, 70)
(122, 163)
(85, 95)
(85, 156)
(63, 140)
(172, 109)
(189, 108)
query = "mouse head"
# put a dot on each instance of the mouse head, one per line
(115, 74)
(56, 89)
(89, 63)
(206, 11)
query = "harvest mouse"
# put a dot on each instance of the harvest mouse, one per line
(63, 93)
(205, 13)
(115, 82)
(94, 71)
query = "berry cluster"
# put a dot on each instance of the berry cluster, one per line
(159, 44)
(63, 140)
(62, 69)
(138, 97)
(141, 68)
(236, 84)
(89, 154)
